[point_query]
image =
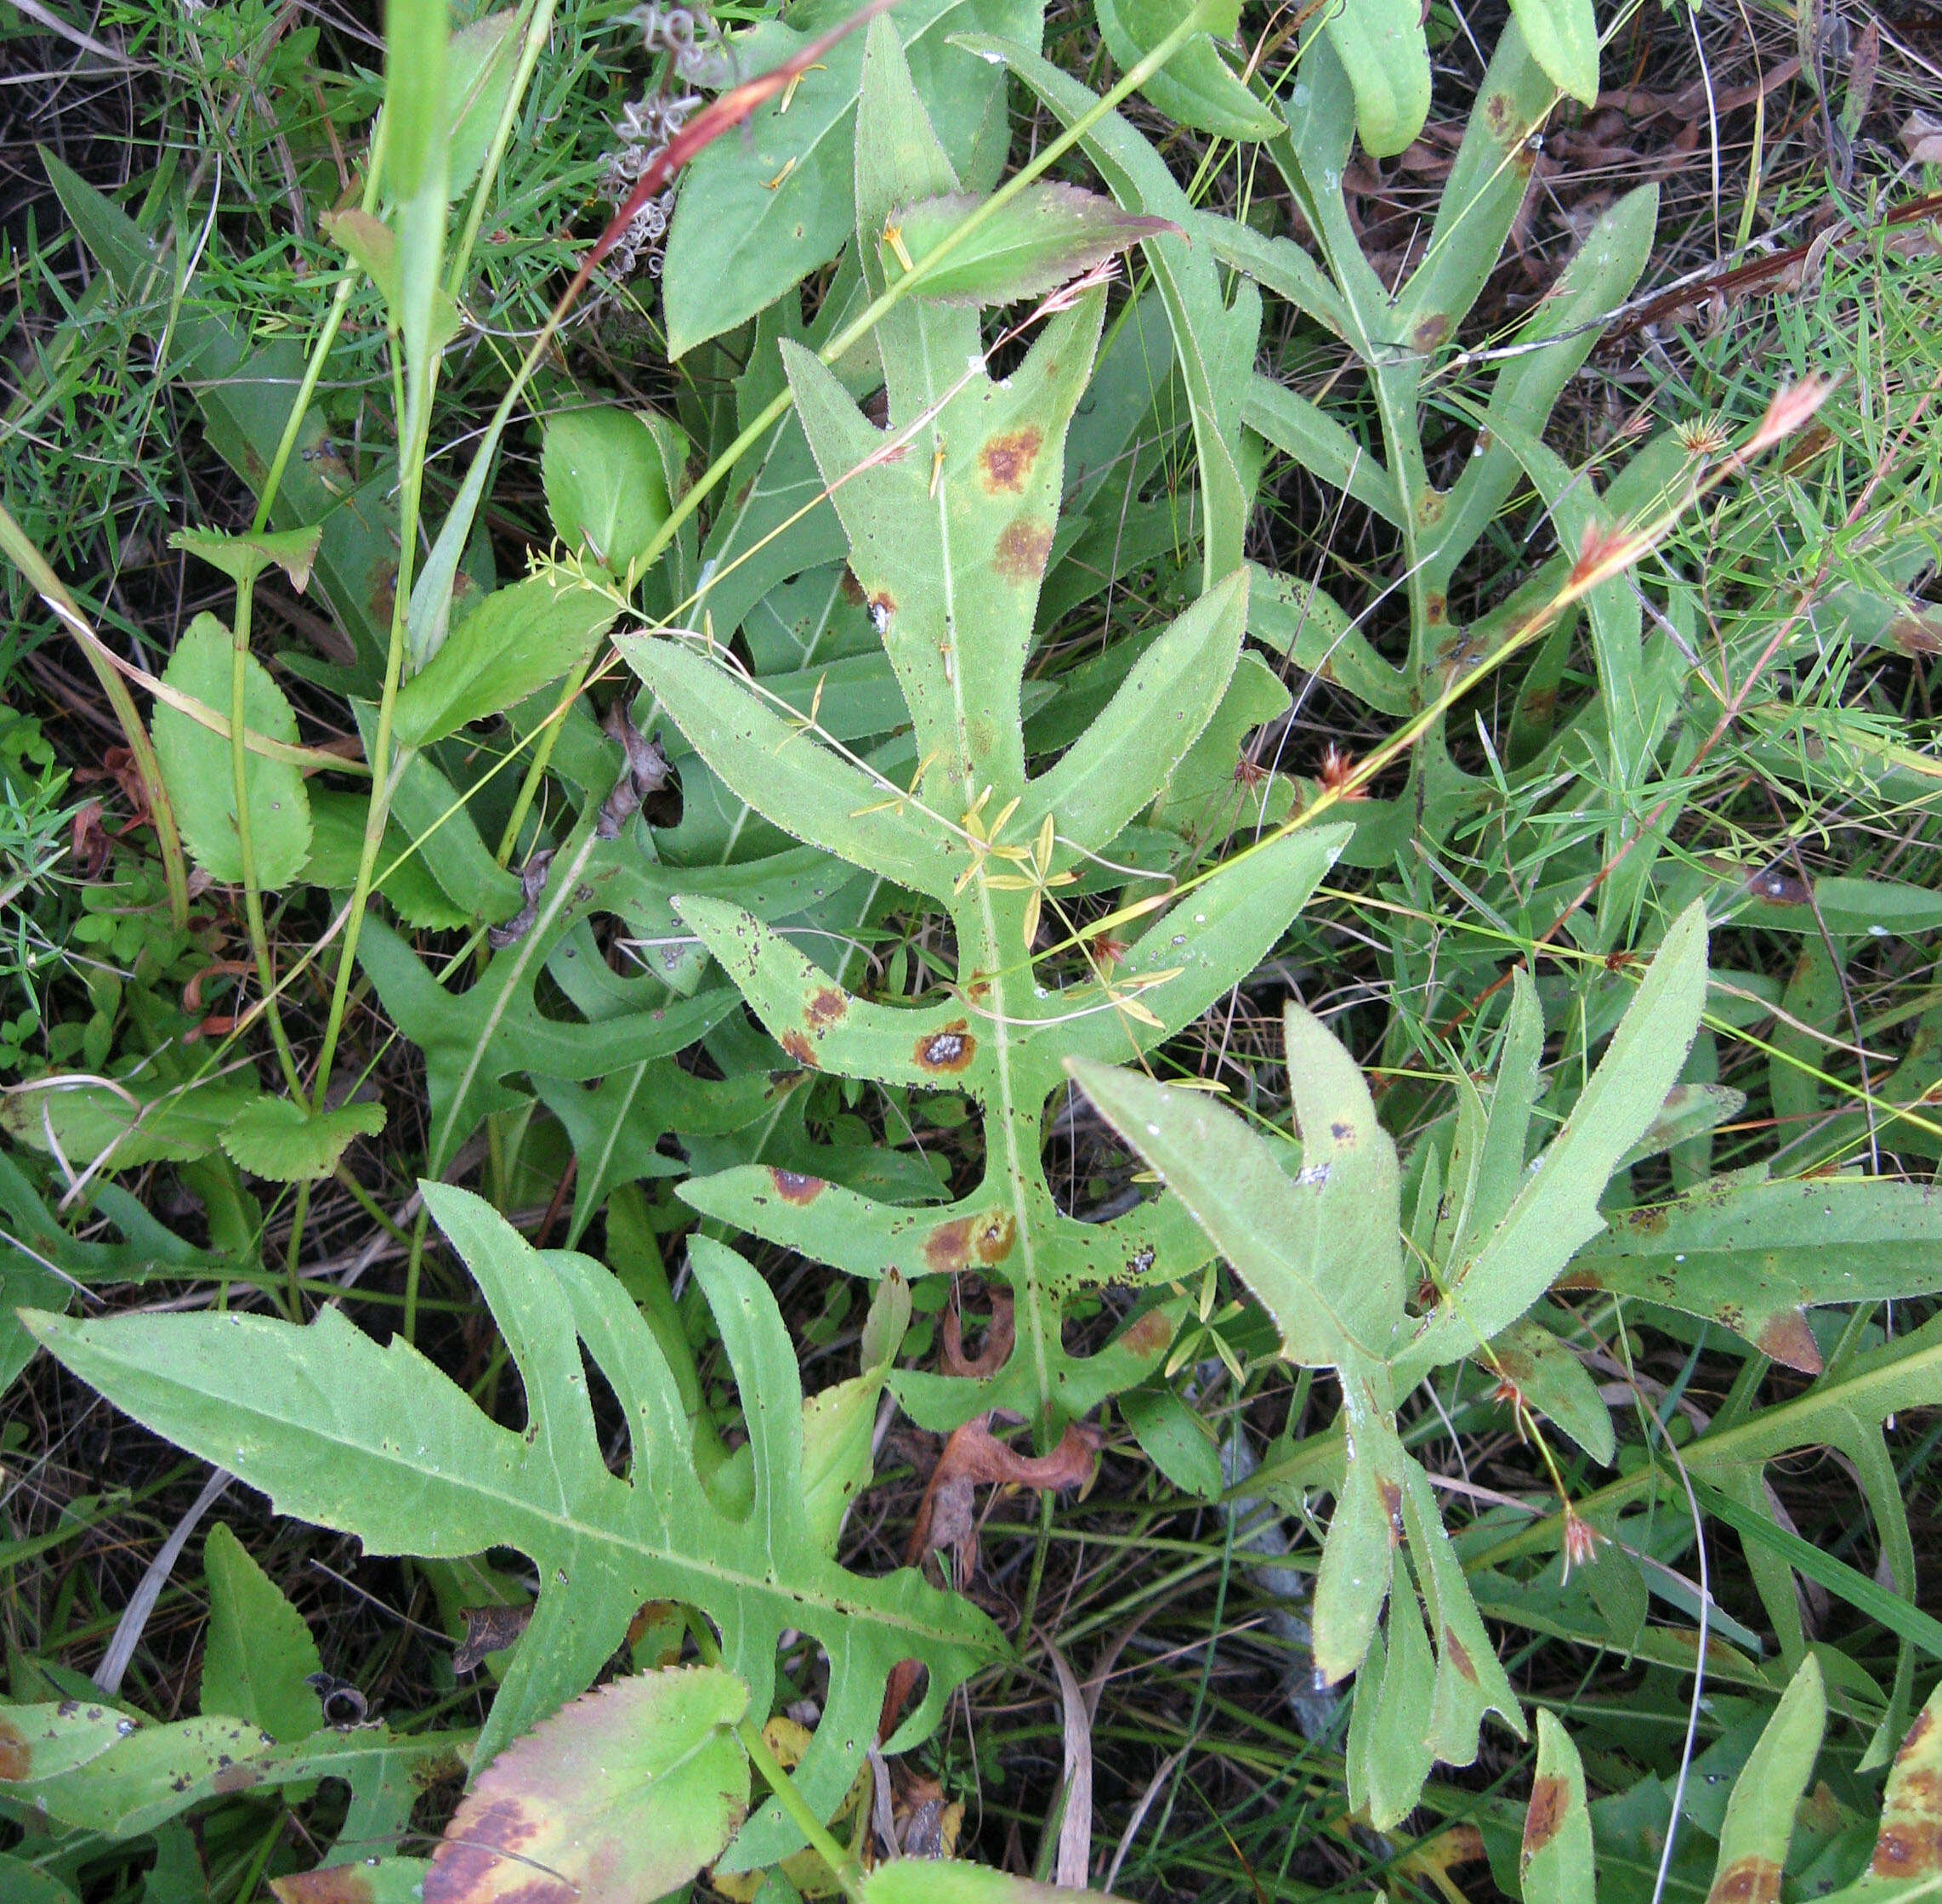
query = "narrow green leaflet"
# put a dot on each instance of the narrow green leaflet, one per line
(1760, 1815)
(1196, 86)
(1556, 1210)
(378, 1443)
(258, 1653)
(197, 768)
(1555, 1858)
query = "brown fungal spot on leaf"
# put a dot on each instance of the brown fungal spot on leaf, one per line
(1458, 1654)
(1900, 1852)
(798, 1048)
(1150, 1335)
(995, 1234)
(1393, 1506)
(1787, 1339)
(852, 588)
(793, 1187)
(949, 1050)
(1430, 330)
(383, 597)
(1342, 1131)
(1751, 1879)
(1022, 550)
(1501, 117)
(15, 1755)
(337, 1884)
(947, 1248)
(826, 1008)
(1917, 634)
(1550, 1797)
(1005, 462)
(235, 1778)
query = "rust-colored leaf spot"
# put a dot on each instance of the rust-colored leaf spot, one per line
(1022, 550)
(1786, 1338)
(826, 1008)
(1550, 1798)
(15, 1755)
(383, 597)
(1751, 1879)
(949, 1050)
(1150, 1336)
(947, 1248)
(1393, 1506)
(1458, 1654)
(852, 588)
(996, 1235)
(798, 1048)
(1430, 330)
(338, 1883)
(793, 1187)
(1900, 1852)
(1005, 462)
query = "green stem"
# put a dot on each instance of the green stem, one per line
(842, 1864)
(411, 1272)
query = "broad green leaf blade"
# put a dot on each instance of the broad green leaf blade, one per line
(242, 557)
(1555, 1862)
(287, 1142)
(1042, 238)
(1174, 1441)
(512, 643)
(1755, 1256)
(1274, 1232)
(1760, 1814)
(197, 770)
(415, 106)
(1556, 1212)
(259, 1652)
(789, 776)
(369, 1881)
(605, 488)
(1382, 49)
(162, 1123)
(151, 1774)
(622, 1795)
(1563, 40)
(757, 213)
(1196, 87)
(482, 61)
